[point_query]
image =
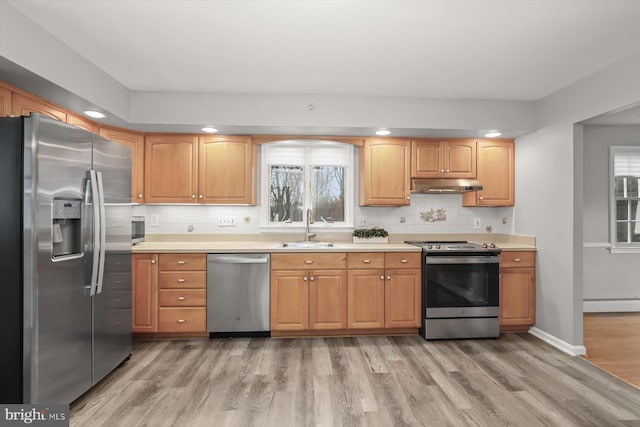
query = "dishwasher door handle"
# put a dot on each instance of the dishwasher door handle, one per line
(237, 260)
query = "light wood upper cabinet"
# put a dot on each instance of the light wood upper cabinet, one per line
(5, 101)
(24, 105)
(327, 299)
(144, 292)
(82, 123)
(135, 141)
(402, 298)
(496, 174)
(289, 300)
(170, 168)
(453, 158)
(384, 172)
(227, 170)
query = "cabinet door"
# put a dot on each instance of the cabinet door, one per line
(327, 299)
(170, 168)
(289, 300)
(517, 296)
(402, 298)
(384, 172)
(5, 101)
(427, 159)
(145, 293)
(365, 299)
(460, 158)
(495, 173)
(135, 142)
(227, 170)
(82, 123)
(24, 105)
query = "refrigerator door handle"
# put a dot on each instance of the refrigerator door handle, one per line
(103, 232)
(96, 231)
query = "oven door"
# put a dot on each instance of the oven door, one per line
(468, 282)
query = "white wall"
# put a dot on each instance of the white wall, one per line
(175, 219)
(610, 280)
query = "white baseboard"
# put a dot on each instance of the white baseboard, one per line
(611, 306)
(573, 350)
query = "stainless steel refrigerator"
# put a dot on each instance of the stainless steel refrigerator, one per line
(65, 259)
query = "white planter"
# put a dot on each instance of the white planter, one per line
(371, 240)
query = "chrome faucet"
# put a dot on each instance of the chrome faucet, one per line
(308, 235)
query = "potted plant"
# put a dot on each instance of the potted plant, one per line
(370, 235)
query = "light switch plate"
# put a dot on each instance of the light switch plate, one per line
(154, 220)
(476, 223)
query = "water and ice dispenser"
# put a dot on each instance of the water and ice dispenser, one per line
(66, 231)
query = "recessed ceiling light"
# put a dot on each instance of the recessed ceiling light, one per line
(492, 134)
(95, 114)
(383, 132)
(209, 129)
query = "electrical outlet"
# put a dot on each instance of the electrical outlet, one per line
(226, 221)
(476, 223)
(361, 221)
(154, 220)
(190, 228)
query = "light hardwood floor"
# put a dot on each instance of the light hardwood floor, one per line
(516, 380)
(613, 343)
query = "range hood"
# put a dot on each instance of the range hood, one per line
(444, 186)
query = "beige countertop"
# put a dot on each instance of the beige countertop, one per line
(274, 247)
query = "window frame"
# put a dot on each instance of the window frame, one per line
(619, 247)
(265, 181)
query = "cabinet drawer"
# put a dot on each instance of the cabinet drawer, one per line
(173, 319)
(402, 260)
(308, 261)
(357, 260)
(511, 259)
(183, 262)
(182, 279)
(182, 298)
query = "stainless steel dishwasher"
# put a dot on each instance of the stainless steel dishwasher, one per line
(237, 295)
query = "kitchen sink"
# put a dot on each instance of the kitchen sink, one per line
(308, 245)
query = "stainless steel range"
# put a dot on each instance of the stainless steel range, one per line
(461, 290)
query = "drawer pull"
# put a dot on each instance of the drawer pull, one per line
(181, 262)
(381, 277)
(181, 280)
(305, 278)
(153, 261)
(404, 261)
(309, 261)
(182, 321)
(312, 278)
(517, 260)
(182, 298)
(366, 261)
(388, 277)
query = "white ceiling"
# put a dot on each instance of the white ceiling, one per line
(509, 50)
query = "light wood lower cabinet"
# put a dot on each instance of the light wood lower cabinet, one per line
(402, 293)
(327, 299)
(144, 293)
(365, 301)
(517, 290)
(289, 300)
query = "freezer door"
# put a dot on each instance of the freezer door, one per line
(112, 303)
(57, 305)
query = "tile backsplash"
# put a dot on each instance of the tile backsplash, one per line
(176, 219)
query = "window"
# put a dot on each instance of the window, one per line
(625, 216)
(301, 175)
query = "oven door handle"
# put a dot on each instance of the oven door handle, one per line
(433, 260)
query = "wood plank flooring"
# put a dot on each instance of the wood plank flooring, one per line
(516, 380)
(613, 343)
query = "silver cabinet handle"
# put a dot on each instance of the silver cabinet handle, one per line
(366, 261)
(481, 198)
(404, 261)
(139, 196)
(182, 262)
(441, 170)
(447, 170)
(201, 196)
(193, 196)
(153, 261)
(305, 278)
(388, 277)
(309, 261)
(181, 280)
(517, 260)
(182, 298)
(312, 278)
(381, 277)
(182, 321)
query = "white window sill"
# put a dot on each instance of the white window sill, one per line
(624, 250)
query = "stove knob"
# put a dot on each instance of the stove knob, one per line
(492, 245)
(484, 245)
(429, 246)
(437, 246)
